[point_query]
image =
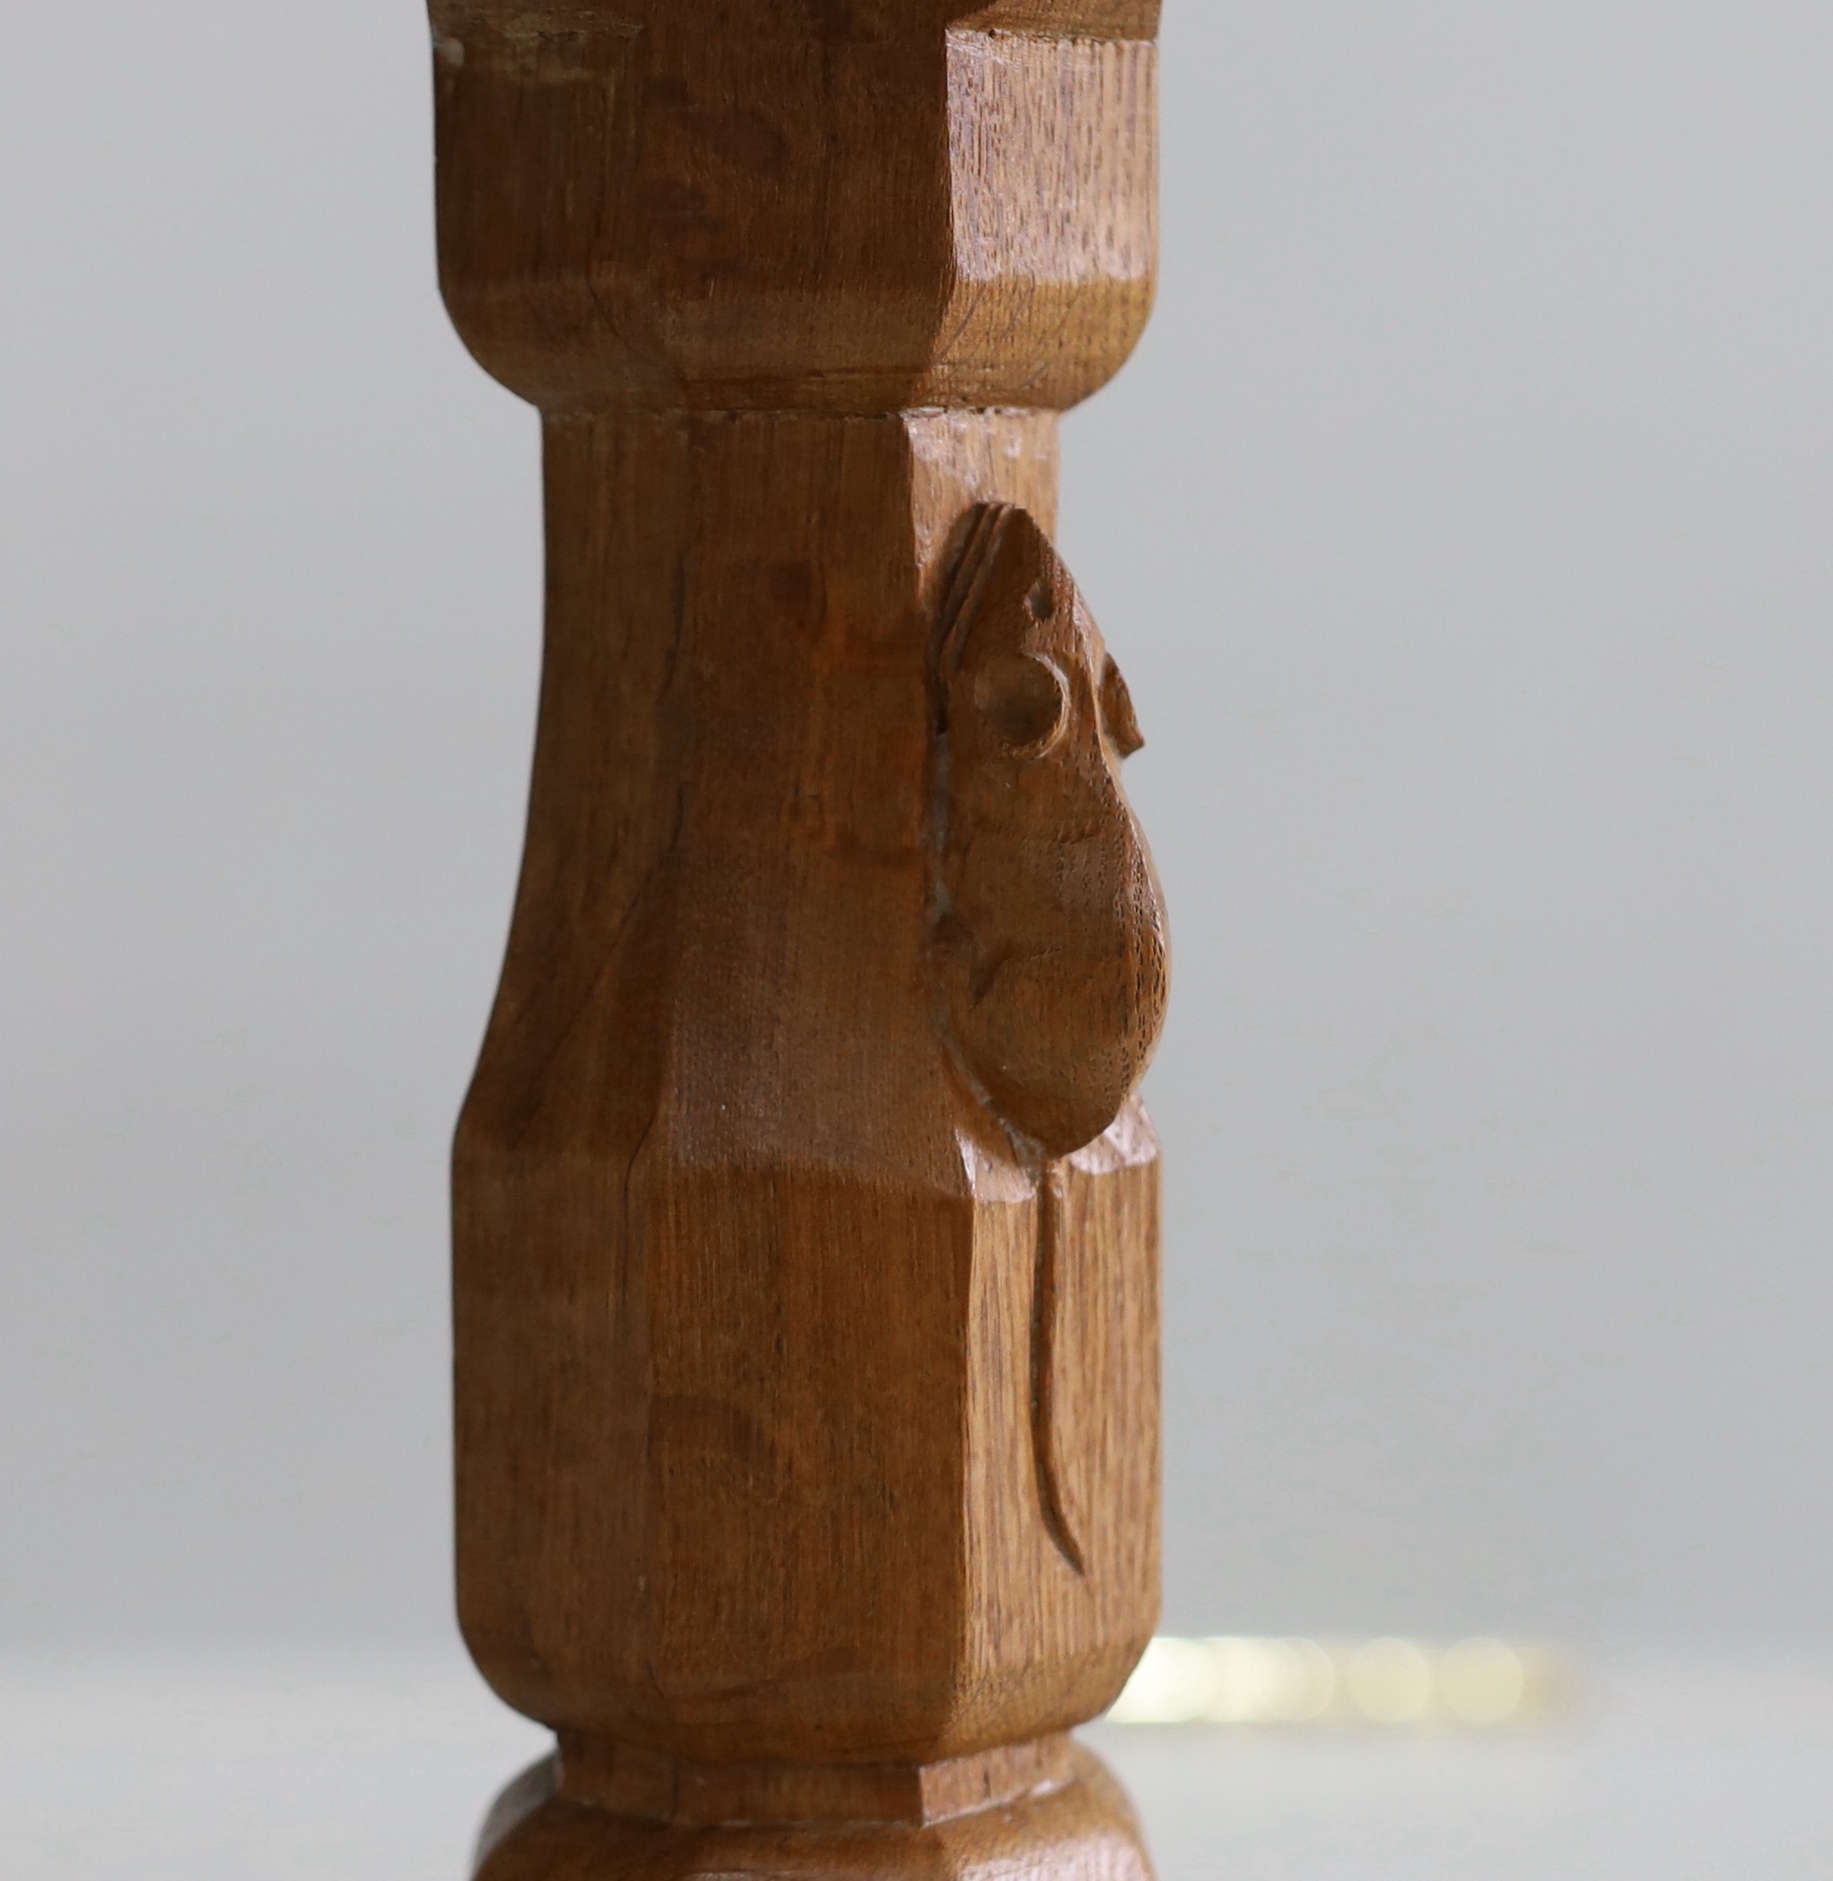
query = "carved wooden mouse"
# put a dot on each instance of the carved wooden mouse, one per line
(1048, 936)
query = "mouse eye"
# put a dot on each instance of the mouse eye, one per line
(1118, 719)
(1024, 698)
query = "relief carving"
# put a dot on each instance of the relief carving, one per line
(1047, 926)
(1047, 940)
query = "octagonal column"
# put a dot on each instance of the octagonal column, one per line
(805, 1220)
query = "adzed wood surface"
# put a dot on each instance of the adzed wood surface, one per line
(805, 1218)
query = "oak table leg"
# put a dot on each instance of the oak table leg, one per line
(806, 1223)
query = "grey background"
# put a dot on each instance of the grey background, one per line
(1462, 527)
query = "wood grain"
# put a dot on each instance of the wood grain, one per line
(805, 1221)
(845, 205)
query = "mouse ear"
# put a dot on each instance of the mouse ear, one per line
(1010, 592)
(1118, 719)
(1016, 650)
(1047, 939)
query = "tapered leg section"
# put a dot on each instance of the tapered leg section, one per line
(806, 1413)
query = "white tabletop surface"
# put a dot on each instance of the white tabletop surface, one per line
(267, 1767)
